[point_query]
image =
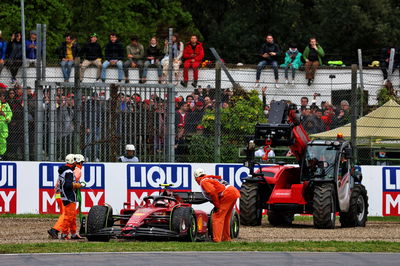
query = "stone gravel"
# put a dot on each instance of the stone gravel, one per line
(34, 230)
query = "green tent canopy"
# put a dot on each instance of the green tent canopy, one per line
(381, 126)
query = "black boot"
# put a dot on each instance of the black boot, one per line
(194, 84)
(184, 83)
(53, 233)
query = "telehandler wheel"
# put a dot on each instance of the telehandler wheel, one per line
(324, 204)
(358, 210)
(251, 196)
(280, 218)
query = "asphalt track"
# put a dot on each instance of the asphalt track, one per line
(202, 258)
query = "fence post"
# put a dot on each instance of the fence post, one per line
(113, 140)
(44, 47)
(39, 98)
(354, 110)
(217, 137)
(78, 105)
(360, 67)
(171, 124)
(171, 58)
(25, 95)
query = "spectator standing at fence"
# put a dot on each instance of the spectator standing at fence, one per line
(114, 54)
(92, 55)
(181, 148)
(181, 115)
(193, 55)
(14, 55)
(15, 143)
(153, 58)
(31, 49)
(177, 53)
(67, 52)
(385, 58)
(129, 155)
(195, 117)
(3, 51)
(312, 55)
(292, 62)
(5, 118)
(135, 53)
(269, 53)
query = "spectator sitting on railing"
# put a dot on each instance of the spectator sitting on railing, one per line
(3, 51)
(14, 55)
(135, 53)
(92, 55)
(67, 53)
(31, 48)
(292, 61)
(193, 55)
(269, 54)
(114, 54)
(312, 54)
(177, 53)
(153, 58)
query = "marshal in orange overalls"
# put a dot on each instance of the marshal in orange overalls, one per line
(224, 197)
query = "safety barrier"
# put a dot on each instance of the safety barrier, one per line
(28, 187)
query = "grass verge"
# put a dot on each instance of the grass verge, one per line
(115, 246)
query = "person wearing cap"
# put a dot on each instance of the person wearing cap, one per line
(114, 54)
(92, 55)
(5, 118)
(31, 48)
(67, 52)
(135, 53)
(129, 157)
(3, 51)
(223, 196)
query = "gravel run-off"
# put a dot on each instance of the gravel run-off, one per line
(34, 230)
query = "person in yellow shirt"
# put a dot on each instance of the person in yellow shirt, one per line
(67, 53)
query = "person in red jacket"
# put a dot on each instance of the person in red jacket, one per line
(193, 55)
(224, 197)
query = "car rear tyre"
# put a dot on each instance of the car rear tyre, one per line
(99, 217)
(358, 210)
(324, 204)
(235, 222)
(183, 222)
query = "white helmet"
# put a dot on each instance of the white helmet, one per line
(79, 158)
(130, 147)
(198, 172)
(70, 158)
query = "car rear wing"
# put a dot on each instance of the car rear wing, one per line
(191, 197)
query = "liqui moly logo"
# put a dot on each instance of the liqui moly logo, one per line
(144, 179)
(391, 191)
(8, 188)
(232, 173)
(93, 194)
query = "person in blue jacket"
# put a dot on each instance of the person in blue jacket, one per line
(292, 61)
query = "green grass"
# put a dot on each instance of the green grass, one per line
(115, 246)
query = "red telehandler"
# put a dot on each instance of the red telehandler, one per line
(325, 182)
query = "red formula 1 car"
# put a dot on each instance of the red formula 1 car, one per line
(168, 216)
